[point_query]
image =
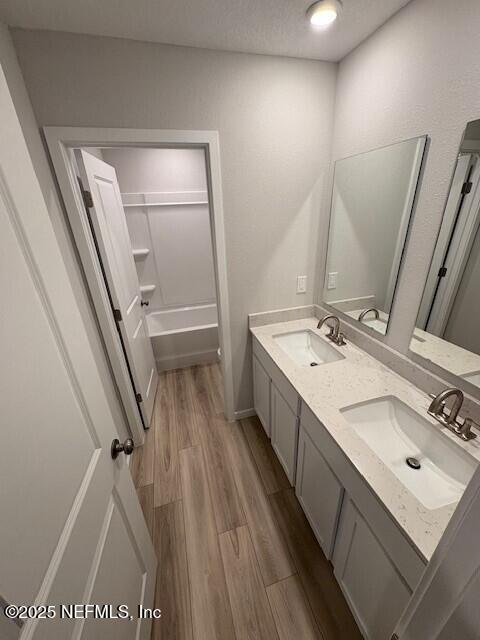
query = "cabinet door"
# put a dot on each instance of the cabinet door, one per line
(284, 432)
(374, 589)
(318, 491)
(261, 394)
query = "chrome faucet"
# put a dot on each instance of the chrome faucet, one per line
(450, 420)
(361, 317)
(334, 334)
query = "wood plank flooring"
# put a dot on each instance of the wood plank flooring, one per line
(237, 557)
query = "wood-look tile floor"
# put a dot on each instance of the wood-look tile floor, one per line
(237, 557)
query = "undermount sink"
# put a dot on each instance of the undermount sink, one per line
(306, 348)
(396, 433)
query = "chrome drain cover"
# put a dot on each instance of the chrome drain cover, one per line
(413, 463)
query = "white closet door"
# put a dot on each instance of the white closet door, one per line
(72, 530)
(111, 232)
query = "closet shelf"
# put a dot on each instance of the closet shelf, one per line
(138, 254)
(147, 288)
(165, 204)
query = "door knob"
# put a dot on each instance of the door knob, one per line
(121, 447)
(144, 303)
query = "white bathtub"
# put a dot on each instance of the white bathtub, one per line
(184, 337)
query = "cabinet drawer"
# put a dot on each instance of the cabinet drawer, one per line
(375, 590)
(318, 491)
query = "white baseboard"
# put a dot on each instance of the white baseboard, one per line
(186, 360)
(245, 413)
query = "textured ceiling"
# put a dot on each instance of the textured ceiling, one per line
(276, 27)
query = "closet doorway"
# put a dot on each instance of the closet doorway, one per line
(146, 213)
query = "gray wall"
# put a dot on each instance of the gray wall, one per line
(418, 74)
(274, 116)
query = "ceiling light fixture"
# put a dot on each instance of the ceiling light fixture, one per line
(323, 12)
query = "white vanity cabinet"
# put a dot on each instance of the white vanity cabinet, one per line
(374, 563)
(374, 588)
(261, 394)
(277, 406)
(318, 491)
(284, 432)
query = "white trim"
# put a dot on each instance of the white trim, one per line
(456, 260)
(60, 140)
(462, 168)
(404, 224)
(67, 180)
(448, 575)
(245, 413)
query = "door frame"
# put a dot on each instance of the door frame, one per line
(407, 215)
(462, 169)
(60, 142)
(450, 574)
(456, 256)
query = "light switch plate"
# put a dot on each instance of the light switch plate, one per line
(301, 284)
(332, 280)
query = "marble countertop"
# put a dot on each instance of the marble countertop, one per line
(358, 377)
(447, 355)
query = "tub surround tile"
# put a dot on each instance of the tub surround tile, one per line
(358, 377)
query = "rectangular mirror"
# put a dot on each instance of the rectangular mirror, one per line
(372, 203)
(447, 329)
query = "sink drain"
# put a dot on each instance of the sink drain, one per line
(413, 463)
(314, 364)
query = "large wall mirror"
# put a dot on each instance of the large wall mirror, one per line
(448, 324)
(372, 203)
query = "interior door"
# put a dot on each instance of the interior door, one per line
(457, 254)
(462, 169)
(444, 605)
(71, 526)
(113, 242)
